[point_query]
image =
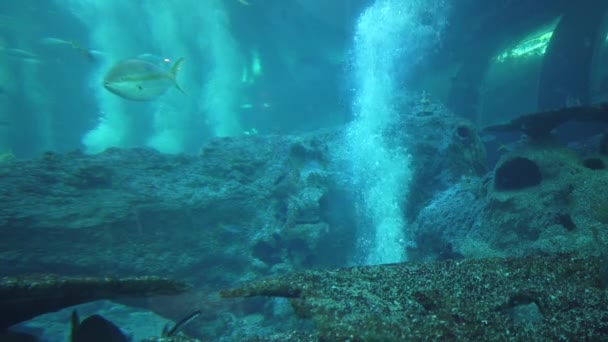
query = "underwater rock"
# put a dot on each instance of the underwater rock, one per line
(24, 297)
(468, 300)
(447, 219)
(91, 177)
(246, 207)
(138, 203)
(444, 148)
(499, 216)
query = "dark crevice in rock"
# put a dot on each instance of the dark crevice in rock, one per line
(464, 132)
(594, 164)
(566, 221)
(517, 173)
(267, 252)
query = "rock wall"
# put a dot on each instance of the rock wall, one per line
(540, 199)
(444, 148)
(244, 205)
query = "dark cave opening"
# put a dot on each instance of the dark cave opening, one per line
(517, 173)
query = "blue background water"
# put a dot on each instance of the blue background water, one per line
(55, 100)
(257, 68)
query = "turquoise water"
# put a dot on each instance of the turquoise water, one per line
(296, 135)
(249, 66)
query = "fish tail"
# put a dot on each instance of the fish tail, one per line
(177, 327)
(174, 69)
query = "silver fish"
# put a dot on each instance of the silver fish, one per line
(141, 80)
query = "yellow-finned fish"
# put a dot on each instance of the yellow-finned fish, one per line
(141, 80)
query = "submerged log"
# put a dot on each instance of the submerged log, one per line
(541, 297)
(25, 297)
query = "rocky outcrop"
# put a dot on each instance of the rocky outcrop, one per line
(540, 199)
(444, 148)
(238, 207)
(244, 208)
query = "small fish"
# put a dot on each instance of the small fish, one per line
(141, 80)
(54, 41)
(34, 61)
(20, 55)
(17, 53)
(88, 54)
(95, 329)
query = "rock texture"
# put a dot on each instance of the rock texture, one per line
(562, 210)
(444, 148)
(258, 206)
(244, 208)
(559, 297)
(240, 204)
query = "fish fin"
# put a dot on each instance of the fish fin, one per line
(176, 66)
(177, 327)
(75, 324)
(180, 89)
(166, 329)
(174, 69)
